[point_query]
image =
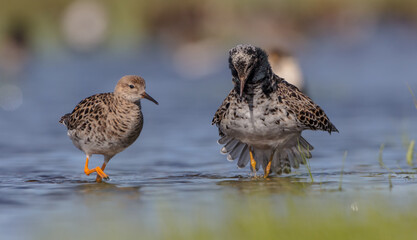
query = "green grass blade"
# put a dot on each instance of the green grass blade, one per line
(410, 153)
(381, 150)
(381, 163)
(412, 94)
(304, 158)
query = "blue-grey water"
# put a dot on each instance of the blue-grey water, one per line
(361, 84)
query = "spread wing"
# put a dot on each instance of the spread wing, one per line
(309, 114)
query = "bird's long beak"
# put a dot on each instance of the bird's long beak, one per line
(145, 95)
(242, 85)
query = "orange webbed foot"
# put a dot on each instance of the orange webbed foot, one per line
(99, 178)
(100, 174)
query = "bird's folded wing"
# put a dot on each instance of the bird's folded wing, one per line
(219, 115)
(308, 114)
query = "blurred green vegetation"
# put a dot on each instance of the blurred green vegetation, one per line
(177, 21)
(245, 217)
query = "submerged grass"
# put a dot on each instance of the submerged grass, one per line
(380, 160)
(412, 94)
(341, 171)
(309, 169)
(381, 150)
(305, 160)
(409, 159)
(410, 152)
(409, 144)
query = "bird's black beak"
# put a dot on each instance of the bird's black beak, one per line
(145, 95)
(242, 84)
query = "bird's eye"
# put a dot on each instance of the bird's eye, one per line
(131, 86)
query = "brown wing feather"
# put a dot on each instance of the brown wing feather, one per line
(309, 114)
(92, 107)
(219, 115)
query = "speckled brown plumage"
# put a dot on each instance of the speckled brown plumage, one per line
(308, 114)
(107, 123)
(265, 114)
(105, 120)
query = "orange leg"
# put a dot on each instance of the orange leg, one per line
(98, 178)
(267, 170)
(97, 169)
(252, 161)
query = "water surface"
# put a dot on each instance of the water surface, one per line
(176, 160)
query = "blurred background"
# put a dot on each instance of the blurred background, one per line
(356, 59)
(357, 55)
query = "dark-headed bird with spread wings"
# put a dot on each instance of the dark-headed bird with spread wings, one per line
(262, 118)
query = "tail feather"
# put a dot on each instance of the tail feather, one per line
(224, 150)
(224, 140)
(231, 145)
(286, 167)
(292, 158)
(235, 153)
(276, 164)
(64, 119)
(303, 149)
(232, 148)
(244, 157)
(305, 144)
(235, 149)
(285, 163)
(282, 161)
(266, 156)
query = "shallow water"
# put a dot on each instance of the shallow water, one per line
(176, 160)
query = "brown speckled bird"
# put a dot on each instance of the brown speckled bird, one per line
(107, 123)
(262, 118)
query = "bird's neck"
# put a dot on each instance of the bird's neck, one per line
(271, 84)
(266, 85)
(122, 101)
(138, 104)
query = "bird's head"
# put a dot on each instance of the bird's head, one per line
(132, 88)
(248, 64)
